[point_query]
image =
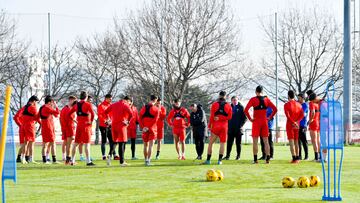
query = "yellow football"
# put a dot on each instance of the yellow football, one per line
(220, 175)
(314, 181)
(303, 182)
(288, 182)
(211, 175)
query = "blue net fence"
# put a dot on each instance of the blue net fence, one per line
(9, 170)
(331, 126)
(331, 145)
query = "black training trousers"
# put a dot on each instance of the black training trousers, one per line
(234, 134)
(271, 144)
(122, 151)
(106, 134)
(303, 141)
(199, 136)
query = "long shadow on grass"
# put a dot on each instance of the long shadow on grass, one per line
(140, 164)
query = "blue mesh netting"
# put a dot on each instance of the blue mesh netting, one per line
(331, 125)
(9, 170)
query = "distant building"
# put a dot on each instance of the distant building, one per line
(37, 79)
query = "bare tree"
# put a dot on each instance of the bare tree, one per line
(13, 62)
(105, 61)
(11, 50)
(237, 80)
(309, 51)
(198, 37)
(25, 78)
(64, 70)
(356, 82)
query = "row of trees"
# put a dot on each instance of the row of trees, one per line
(197, 43)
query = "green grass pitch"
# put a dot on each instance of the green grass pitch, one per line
(172, 180)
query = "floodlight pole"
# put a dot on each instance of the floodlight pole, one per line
(161, 56)
(347, 81)
(49, 70)
(276, 73)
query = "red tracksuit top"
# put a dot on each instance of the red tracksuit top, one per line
(259, 115)
(179, 122)
(47, 114)
(222, 119)
(147, 121)
(293, 112)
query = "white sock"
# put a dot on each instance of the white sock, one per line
(73, 159)
(81, 155)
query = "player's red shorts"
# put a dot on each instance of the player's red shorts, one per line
(260, 128)
(160, 133)
(221, 132)
(83, 134)
(292, 133)
(119, 133)
(180, 132)
(314, 126)
(149, 135)
(68, 133)
(29, 134)
(47, 138)
(131, 133)
(21, 135)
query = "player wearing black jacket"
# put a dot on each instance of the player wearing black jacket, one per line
(198, 123)
(235, 131)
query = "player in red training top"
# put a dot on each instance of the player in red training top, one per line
(179, 119)
(19, 121)
(314, 123)
(121, 115)
(29, 118)
(149, 114)
(160, 126)
(47, 112)
(68, 128)
(85, 117)
(132, 129)
(220, 114)
(294, 114)
(259, 121)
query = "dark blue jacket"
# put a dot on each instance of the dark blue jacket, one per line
(238, 118)
(270, 122)
(305, 108)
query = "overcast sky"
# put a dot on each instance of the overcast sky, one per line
(81, 18)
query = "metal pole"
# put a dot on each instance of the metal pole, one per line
(49, 72)
(354, 29)
(276, 72)
(161, 56)
(347, 97)
(353, 48)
